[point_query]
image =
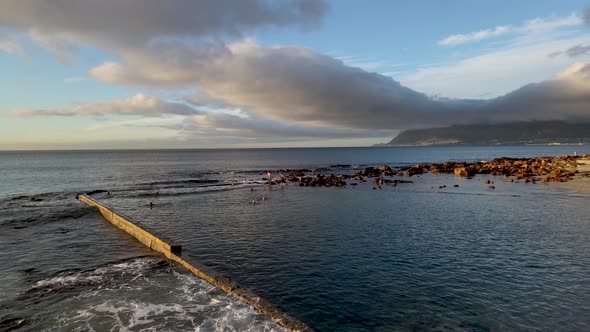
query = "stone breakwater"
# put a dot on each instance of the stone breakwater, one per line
(173, 252)
(529, 170)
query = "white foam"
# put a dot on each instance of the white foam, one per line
(160, 302)
(134, 266)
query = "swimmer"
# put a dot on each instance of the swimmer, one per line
(253, 202)
(251, 189)
(151, 205)
(264, 198)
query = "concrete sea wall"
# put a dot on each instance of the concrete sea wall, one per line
(173, 252)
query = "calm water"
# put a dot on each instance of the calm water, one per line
(413, 257)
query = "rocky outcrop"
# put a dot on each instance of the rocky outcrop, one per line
(529, 170)
(545, 169)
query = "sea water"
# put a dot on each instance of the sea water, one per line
(420, 256)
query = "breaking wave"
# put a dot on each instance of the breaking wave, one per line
(147, 294)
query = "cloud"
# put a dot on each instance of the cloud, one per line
(497, 72)
(114, 24)
(283, 83)
(587, 16)
(190, 122)
(364, 105)
(137, 105)
(222, 124)
(281, 91)
(537, 25)
(578, 50)
(564, 97)
(10, 45)
(475, 36)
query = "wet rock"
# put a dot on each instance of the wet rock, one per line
(11, 324)
(298, 172)
(417, 169)
(98, 191)
(386, 170)
(340, 166)
(378, 181)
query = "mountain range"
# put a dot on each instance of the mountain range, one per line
(513, 133)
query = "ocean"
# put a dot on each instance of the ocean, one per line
(440, 254)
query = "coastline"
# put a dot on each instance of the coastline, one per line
(581, 181)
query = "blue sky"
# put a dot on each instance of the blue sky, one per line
(65, 87)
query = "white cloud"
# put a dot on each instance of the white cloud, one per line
(544, 24)
(534, 26)
(494, 73)
(10, 45)
(475, 36)
(139, 104)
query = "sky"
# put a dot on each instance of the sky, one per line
(123, 74)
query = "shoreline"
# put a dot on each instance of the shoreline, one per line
(581, 181)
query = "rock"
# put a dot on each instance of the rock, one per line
(463, 171)
(556, 173)
(416, 169)
(9, 324)
(378, 181)
(96, 192)
(386, 170)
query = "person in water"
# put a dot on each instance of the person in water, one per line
(283, 179)
(151, 205)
